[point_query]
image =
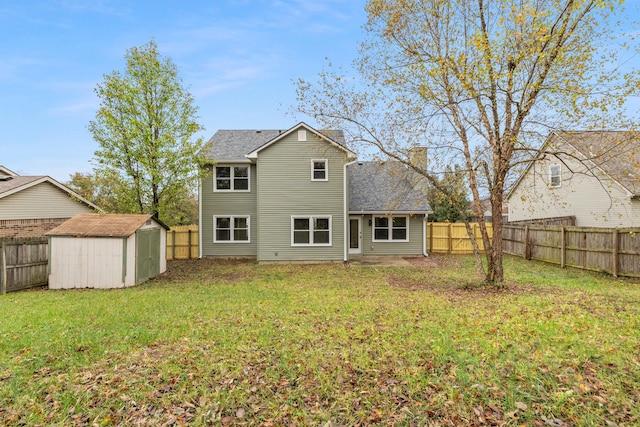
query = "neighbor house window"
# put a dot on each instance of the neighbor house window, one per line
(390, 229)
(555, 175)
(229, 229)
(319, 170)
(311, 231)
(232, 178)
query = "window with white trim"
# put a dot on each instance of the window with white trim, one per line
(231, 229)
(231, 178)
(311, 230)
(319, 170)
(390, 229)
(555, 176)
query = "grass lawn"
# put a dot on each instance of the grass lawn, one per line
(233, 343)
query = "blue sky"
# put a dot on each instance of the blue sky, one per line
(238, 57)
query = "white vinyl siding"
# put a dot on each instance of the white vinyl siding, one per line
(594, 201)
(390, 229)
(231, 229)
(42, 201)
(311, 230)
(232, 178)
(319, 170)
(555, 176)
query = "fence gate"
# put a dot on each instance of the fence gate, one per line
(23, 264)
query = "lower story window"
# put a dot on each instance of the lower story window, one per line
(390, 229)
(231, 229)
(311, 231)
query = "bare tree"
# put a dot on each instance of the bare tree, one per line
(479, 83)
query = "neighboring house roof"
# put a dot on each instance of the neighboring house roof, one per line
(97, 225)
(616, 153)
(384, 187)
(234, 146)
(15, 184)
(6, 171)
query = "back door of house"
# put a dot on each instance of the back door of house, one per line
(355, 235)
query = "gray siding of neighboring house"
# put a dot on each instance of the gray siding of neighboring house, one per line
(42, 201)
(286, 189)
(228, 203)
(413, 247)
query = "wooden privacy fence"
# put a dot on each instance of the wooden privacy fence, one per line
(452, 238)
(610, 250)
(23, 264)
(182, 242)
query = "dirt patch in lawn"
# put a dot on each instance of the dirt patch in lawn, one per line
(458, 290)
(231, 270)
(432, 261)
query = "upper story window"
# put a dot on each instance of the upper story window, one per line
(555, 176)
(319, 170)
(390, 229)
(231, 178)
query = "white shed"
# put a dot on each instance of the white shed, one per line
(106, 251)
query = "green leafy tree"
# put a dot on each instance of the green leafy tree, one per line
(145, 127)
(479, 83)
(449, 200)
(108, 192)
(104, 190)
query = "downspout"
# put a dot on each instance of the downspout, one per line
(424, 235)
(345, 191)
(199, 219)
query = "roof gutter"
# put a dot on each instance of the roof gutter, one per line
(199, 219)
(345, 192)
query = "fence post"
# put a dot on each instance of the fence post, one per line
(3, 270)
(173, 244)
(450, 238)
(563, 247)
(189, 244)
(527, 248)
(614, 256)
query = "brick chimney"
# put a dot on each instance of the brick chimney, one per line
(418, 158)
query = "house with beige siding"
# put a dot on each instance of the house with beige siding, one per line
(32, 205)
(593, 176)
(301, 195)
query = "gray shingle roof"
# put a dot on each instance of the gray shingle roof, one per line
(383, 187)
(16, 182)
(617, 153)
(232, 145)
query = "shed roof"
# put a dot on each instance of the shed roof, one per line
(384, 187)
(230, 146)
(96, 225)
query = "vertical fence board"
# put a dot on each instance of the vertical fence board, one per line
(24, 264)
(453, 238)
(182, 242)
(613, 251)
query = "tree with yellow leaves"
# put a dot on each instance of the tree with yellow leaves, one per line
(479, 83)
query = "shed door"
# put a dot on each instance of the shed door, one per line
(147, 254)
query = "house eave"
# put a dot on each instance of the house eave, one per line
(390, 212)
